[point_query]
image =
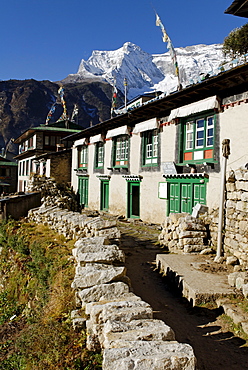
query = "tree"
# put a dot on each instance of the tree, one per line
(236, 43)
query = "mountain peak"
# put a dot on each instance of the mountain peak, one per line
(145, 72)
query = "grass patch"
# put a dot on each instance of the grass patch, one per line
(36, 271)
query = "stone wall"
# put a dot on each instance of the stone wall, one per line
(118, 322)
(184, 233)
(60, 166)
(53, 193)
(235, 231)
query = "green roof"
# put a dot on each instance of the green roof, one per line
(50, 128)
(3, 163)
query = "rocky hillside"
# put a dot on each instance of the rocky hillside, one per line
(26, 103)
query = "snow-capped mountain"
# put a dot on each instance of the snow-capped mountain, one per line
(145, 72)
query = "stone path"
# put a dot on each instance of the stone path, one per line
(215, 346)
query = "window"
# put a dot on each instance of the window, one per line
(52, 140)
(121, 151)
(83, 156)
(150, 147)
(99, 154)
(27, 167)
(198, 139)
(31, 142)
(46, 140)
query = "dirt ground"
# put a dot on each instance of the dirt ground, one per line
(215, 346)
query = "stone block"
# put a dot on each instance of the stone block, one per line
(230, 186)
(242, 185)
(102, 224)
(143, 355)
(232, 278)
(192, 234)
(94, 274)
(103, 292)
(245, 290)
(192, 241)
(239, 174)
(127, 308)
(112, 233)
(243, 226)
(193, 248)
(232, 260)
(100, 254)
(242, 206)
(174, 217)
(145, 330)
(241, 280)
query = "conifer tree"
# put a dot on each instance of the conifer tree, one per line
(236, 43)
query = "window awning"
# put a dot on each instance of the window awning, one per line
(150, 124)
(123, 130)
(96, 139)
(80, 142)
(197, 107)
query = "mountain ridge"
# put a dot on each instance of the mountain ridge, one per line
(146, 72)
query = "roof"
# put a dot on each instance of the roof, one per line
(12, 164)
(239, 8)
(227, 83)
(45, 128)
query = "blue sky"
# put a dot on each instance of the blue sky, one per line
(46, 39)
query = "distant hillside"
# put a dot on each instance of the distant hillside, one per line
(25, 104)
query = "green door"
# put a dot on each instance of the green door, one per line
(174, 191)
(186, 198)
(199, 194)
(133, 206)
(83, 184)
(104, 195)
(183, 195)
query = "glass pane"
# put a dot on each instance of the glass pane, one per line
(200, 123)
(200, 135)
(210, 121)
(149, 151)
(210, 141)
(189, 126)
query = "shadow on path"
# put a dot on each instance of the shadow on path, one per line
(215, 347)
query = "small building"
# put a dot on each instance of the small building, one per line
(36, 143)
(55, 164)
(8, 175)
(166, 155)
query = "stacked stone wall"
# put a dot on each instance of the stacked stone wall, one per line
(235, 230)
(53, 193)
(118, 323)
(182, 233)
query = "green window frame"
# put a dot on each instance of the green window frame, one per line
(197, 145)
(121, 151)
(83, 156)
(150, 148)
(99, 154)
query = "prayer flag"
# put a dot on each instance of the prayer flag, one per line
(169, 45)
(114, 98)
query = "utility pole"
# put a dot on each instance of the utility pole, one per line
(225, 153)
